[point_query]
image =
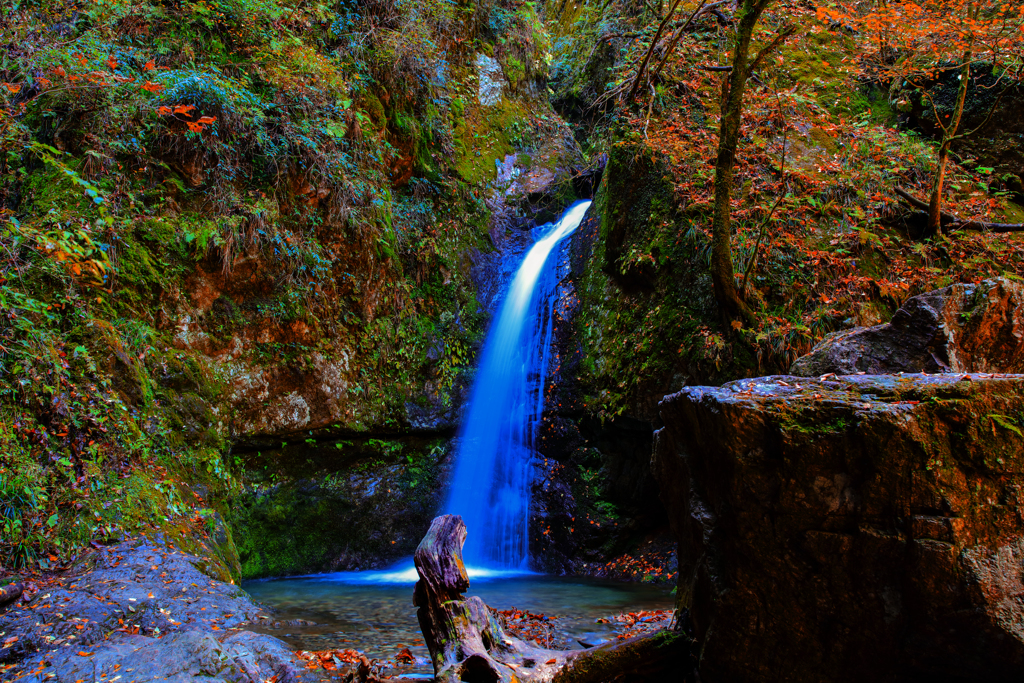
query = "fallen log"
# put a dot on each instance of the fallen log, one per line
(10, 593)
(467, 641)
(662, 655)
(951, 222)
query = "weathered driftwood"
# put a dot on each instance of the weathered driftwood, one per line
(467, 642)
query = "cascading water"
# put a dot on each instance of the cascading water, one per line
(491, 484)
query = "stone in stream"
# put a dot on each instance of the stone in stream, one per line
(961, 328)
(863, 528)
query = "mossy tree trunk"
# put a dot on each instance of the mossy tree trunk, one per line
(467, 642)
(723, 273)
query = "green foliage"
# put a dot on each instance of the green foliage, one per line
(299, 162)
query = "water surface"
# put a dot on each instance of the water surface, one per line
(378, 618)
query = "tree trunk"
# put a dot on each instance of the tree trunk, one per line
(935, 199)
(948, 135)
(723, 274)
(465, 638)
(468, 643)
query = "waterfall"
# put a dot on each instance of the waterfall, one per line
(491, 484)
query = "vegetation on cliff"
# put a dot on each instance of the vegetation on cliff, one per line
(820, 238)
(262, 221)
(208, 209)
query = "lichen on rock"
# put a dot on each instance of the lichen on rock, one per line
(491, 80)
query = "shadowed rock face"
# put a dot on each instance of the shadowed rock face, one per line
(866, 528)
(962, 328)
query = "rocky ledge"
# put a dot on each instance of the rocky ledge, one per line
(138, 612)
(859, 528)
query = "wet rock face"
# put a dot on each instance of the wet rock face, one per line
(962, 328)
(864, 528)
(594, 496)
(491, 79)
(324, 508)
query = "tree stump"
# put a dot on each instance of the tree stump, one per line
(467, 642)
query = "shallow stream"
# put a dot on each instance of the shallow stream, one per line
(372, 611)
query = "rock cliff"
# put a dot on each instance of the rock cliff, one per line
(852, 529)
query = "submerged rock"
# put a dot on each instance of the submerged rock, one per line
(863, 528)
(961, 328)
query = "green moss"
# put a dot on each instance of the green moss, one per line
(484, 137)
(322, 507)
(515, 71)
(819, 63)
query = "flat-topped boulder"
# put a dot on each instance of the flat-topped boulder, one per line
(960, 328)
(857, 528)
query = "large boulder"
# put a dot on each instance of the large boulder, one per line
(140, 611)
(864, 528)
(961, 328)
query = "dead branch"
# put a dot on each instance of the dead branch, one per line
(982, 226)
(647, 56)
(679, 34)
(951, 222)
(767, 49)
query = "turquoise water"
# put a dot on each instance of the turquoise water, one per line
(358, 610)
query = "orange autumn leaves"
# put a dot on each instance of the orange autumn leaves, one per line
(92, 77)
(330, 660)
(936, 29)
(100, 78)
(186, 110)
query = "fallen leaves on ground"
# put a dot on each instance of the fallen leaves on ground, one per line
(642, 622)
(330, 660)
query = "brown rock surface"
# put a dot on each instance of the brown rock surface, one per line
(866, 528)
(961, 328)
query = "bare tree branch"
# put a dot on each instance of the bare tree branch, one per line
(650, 51)
(767, 49)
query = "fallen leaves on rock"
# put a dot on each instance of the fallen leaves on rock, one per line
(330, 660)
(528, 626)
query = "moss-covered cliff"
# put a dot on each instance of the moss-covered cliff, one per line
(234, 221)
